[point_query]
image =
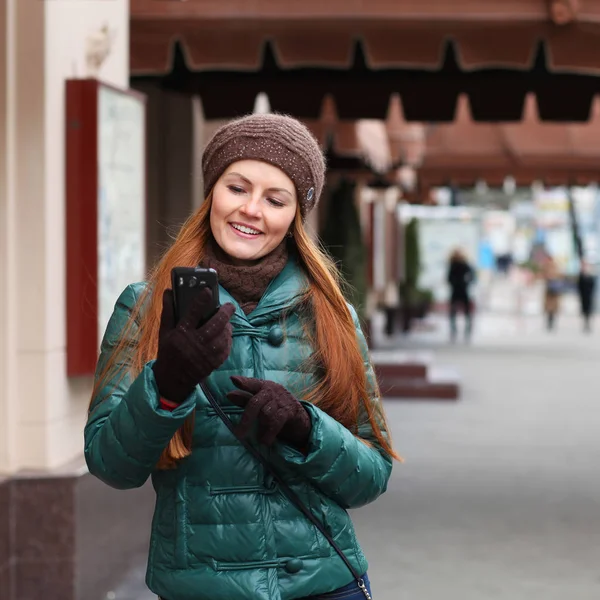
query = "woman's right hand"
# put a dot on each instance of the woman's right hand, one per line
(188, 353)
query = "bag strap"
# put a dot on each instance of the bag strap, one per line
(285, 488)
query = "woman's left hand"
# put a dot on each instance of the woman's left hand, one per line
(279, 414)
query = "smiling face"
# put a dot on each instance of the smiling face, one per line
(253, 206)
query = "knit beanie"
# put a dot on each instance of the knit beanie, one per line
(276, 139)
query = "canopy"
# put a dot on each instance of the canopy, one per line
(230, 34)
(466, 151)
(362, 51)
(555, 153)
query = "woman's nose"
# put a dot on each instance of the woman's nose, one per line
(252, 206)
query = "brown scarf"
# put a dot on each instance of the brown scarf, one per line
(246, 284)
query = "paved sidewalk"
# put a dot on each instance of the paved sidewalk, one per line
(499, 497)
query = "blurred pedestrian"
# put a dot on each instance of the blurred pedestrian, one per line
(503, 263)
(261, 424)
(553, 290)
(460, 277)
(586, 287)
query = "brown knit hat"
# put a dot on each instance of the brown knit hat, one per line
(276, 139)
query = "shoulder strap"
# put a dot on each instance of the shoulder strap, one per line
(284, 487)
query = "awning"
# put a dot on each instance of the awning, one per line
(231, 34)
(360, 92)
(465, 151)
(556, 153)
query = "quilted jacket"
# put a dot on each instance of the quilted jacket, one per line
(221, 529)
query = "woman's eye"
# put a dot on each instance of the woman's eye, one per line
(236, 189)
(275, 202)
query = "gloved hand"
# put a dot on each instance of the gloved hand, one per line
(279, 413)
(188, 353)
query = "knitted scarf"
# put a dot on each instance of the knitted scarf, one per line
(246, 284)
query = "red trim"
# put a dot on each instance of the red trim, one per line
(81, 187)
(168, 405)
(81, 181)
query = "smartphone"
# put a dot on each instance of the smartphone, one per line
(187, 282)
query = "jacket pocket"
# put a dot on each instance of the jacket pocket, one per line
(267, 488)
(228, 410)
(181, 525)
(242, 566)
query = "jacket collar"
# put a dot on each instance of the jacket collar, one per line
(282, 293)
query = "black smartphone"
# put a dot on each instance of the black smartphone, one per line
(187, 282)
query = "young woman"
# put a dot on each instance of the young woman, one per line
(287, 362)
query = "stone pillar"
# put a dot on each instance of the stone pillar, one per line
(8, 329)
(45, 43)
(58, 533)
(178, 158)
(199, 141)
(174, 179)
(23, 318)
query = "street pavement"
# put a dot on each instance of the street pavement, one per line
(499, 494)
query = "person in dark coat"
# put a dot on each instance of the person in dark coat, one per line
(586, 287)
(460, 277)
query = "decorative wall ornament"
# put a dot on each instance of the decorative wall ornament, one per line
(98, 46)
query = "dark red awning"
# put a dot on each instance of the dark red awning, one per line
(230, 34)
(466, 151)
(557, 153)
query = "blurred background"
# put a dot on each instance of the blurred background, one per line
(462, 206)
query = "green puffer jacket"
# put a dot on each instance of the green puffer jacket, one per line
(221, 528)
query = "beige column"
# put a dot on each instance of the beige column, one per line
(7, 236)
(30, 293)
(42, 412)
(21, 186)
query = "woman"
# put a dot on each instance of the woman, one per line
(460, 277)
(284, 356)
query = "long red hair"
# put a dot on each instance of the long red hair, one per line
(343, 391)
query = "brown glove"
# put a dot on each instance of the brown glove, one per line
(279, 413)
(188, 351)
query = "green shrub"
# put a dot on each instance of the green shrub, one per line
(342, 238)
